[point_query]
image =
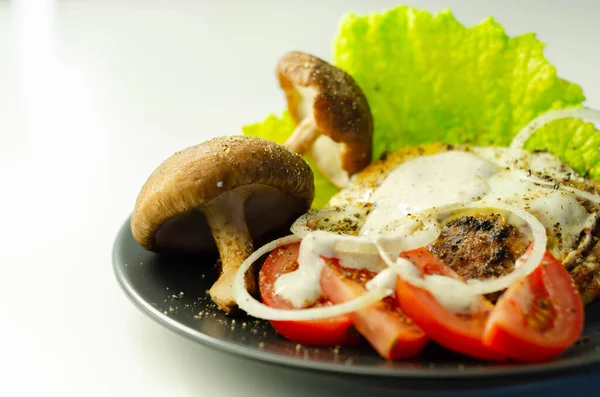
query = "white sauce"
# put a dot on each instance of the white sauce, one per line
(557, 210)
(426, 182)
(433, 181)
(302, 287)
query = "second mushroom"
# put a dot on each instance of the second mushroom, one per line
(334, 121)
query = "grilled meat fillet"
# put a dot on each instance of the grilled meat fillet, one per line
(483, 245)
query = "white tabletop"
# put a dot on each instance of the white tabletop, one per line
(93, 95)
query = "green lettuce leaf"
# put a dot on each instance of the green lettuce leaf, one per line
(277, 130)
(429, 78)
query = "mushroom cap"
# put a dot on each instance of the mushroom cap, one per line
(340, 108)
(279, 185)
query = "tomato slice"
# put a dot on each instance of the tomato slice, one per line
(384, 325)
(334, 331)
(538, 317)
(462, 333)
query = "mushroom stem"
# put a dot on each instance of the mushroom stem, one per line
(326, 153)
(227, 221)
(305, 134)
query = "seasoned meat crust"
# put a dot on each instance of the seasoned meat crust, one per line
(480, 247)
(484, 246)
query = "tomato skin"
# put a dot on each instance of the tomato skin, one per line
(510, 326)
(387, 329)
(318, 332)
(462, 334)
(507, 330)
(335, 331)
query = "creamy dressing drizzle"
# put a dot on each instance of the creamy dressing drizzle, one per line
(301, 287)
(427, 182)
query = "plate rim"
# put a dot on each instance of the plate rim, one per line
(526, 370)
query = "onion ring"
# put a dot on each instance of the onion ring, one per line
(259, 310)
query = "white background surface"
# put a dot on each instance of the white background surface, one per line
(93, 95)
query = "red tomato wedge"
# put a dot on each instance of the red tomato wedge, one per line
(384, 325)
(335, 331)
(538, 317)
(462, 333)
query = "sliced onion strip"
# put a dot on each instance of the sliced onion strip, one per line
(300, 226)
(524, 265)
(259, 310)
(594, 198)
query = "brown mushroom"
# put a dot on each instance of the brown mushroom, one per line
(334, 122)
(239, 188)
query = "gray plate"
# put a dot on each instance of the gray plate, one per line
(172, 291)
